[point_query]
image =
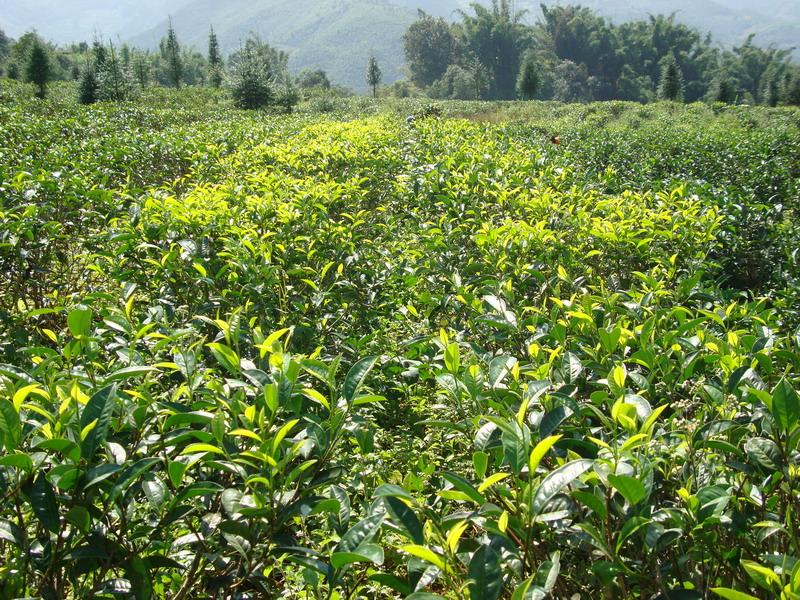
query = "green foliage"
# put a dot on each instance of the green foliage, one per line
(311, 79)
(495, 37)
(791, 93)
(288, 94)
(771, 92)
(106, 77)
(364, 356)
(572, 83)
(5, 52)
(59, 63)
(723, 89)
(456, 84)
(115, 82)
(528, 79)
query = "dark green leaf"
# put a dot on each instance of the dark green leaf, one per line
(364, 553)
(130, 475)
(486, 575)
(100, 408)
(392, 582)
(18, 461)
(360, 533)
(12, 533)
(130, 373)
(785, 406)
(139, 576)
(406, 518)
(764, 453)
(553, 419)
(548, 571)
(571, 368)
(554, 482)
(388, 489)
(43, 502)
(356, 376)
(9, 425)
(226, 357)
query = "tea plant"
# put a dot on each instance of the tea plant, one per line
(354, 355)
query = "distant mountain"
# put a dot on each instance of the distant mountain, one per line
(438, 8)
(340, 35)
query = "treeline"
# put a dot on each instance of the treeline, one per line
(571, 54)
(67, 63)
(574, 55)
(256, 75)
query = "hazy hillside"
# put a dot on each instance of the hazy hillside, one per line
(337, 35)
(77, 20)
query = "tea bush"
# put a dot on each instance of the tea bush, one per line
(350, 355)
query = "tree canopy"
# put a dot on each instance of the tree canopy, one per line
(581, 56)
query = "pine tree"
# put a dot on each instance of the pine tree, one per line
(287, 94)
(99, 52)
(88, 89)
(141, 69)
(528, 79)
(771, 93)
(791, 93)
(252, 85)
(171, 52)
(115, 80)
(374, 75)
(214, 60)
(723, 89)
(38, 70)
(671, 86)
(89, 85)
(480, 77)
